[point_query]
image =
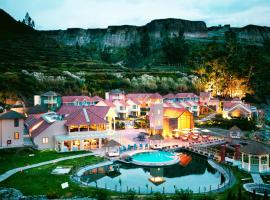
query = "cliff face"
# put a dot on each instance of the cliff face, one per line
(253, 33)
(122, 36)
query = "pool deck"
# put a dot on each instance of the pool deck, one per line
(150, 164)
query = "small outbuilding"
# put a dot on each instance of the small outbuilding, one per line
(156, 141)
(234, 133)
(255, 158)
(112, 148)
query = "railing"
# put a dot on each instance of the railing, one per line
(92, 133)
(50, 101)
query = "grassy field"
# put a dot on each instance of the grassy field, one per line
(40, 181)
(19, 157)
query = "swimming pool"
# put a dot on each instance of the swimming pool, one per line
(197, 176)
(154, 158)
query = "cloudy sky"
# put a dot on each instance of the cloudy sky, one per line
(62, 14)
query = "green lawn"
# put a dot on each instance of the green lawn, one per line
(19, 157)
(40, 181)
(237, 187)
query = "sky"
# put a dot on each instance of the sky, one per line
(63, 14)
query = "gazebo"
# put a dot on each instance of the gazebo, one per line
(156, 140)
(234, 132)
(112, 148)
(255, 158)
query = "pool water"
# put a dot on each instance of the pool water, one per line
(197, 176)
(153, 156)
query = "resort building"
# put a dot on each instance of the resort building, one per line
(80, 100)
(115, 95)
(255, 158)
(234, 133)
(134, 108)
(191, 106)
(51, 100)
(121, 109)
(181, 97)
(169, 120)
(207, 102)
(236, 109)
(187, 101)
(73, 128)
(11, 129)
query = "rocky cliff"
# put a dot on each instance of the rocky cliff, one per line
(155, 31)
(122, 36)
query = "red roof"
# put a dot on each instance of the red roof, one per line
(121, 102)
(138, 95)
(229, 104)
(169, 96)
(32, 120)
(136, 101)
(205, 94)
(99, 110)
(96, 98)
(68, 99)
(179, 111)
(185, 95)
(43, 126)
(155, 96)
(180, 105)
(84, 116)
(65, 109)
(108, 103)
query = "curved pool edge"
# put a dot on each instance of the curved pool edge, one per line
(227, 173)
(155, 164)
(76, 176)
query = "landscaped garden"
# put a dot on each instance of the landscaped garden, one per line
(40, 181)
(20, 157)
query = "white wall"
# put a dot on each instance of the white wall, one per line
(7, 131)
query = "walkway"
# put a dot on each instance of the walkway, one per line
(257, 178)
(15, 170)
(81, 171)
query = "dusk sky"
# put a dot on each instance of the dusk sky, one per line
(62, 14)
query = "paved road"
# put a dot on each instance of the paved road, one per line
(257, 178)
(207, 118)
(15, 170)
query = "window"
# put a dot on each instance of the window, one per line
(16, 135)
(16, 122)
(121, 107)
(134, 106)
(45, 140)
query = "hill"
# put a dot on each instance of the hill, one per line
(163, 55)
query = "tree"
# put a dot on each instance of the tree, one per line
(105, 55)
(28, 21)
(133, 56)
(145, 44)
(175, 49)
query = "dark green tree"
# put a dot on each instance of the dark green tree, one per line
(28, 21)
(145, 44)
(133, 56)
(175, 49)
(105, 55)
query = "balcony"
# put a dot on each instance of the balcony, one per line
(50, 101)
(91, 134)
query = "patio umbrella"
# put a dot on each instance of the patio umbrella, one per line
(111, 143)
(156, 137)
